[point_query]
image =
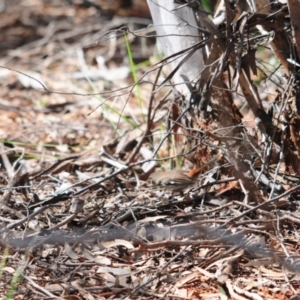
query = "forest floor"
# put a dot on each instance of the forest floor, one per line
(78, 218)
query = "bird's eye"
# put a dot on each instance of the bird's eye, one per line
(170, 182)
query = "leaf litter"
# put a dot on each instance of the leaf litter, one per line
(77, 217)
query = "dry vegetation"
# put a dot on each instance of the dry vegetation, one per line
(78, 141)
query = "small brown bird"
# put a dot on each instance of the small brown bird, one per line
(174, 180)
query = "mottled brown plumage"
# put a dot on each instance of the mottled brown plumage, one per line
(174, 180)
